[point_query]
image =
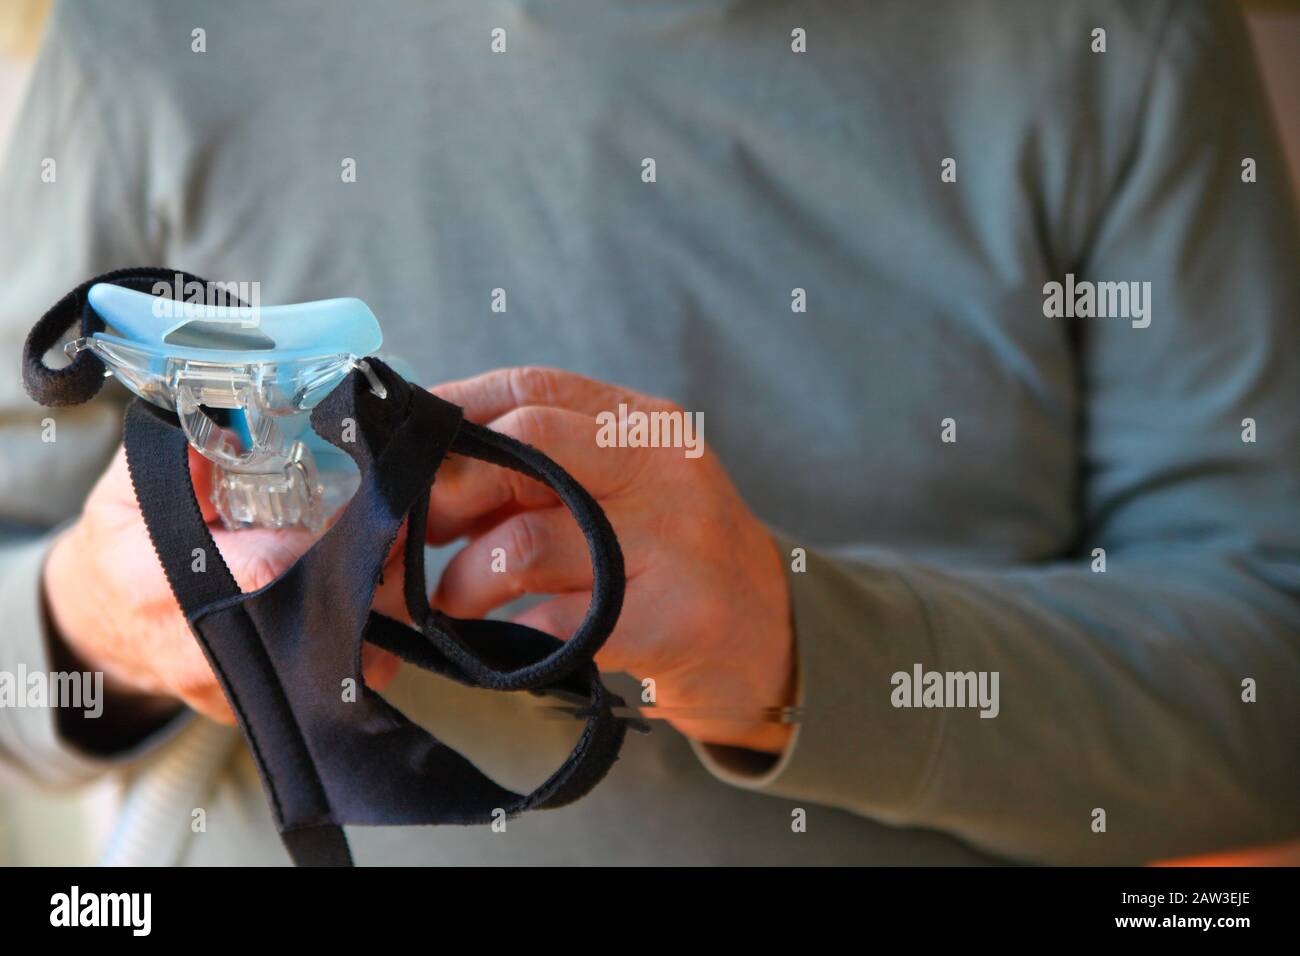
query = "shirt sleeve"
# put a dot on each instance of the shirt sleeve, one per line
(72, 205)
(1164, 690)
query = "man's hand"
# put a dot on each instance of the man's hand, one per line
(112, 606)
(707, 610)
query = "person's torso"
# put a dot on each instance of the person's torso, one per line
(780, 178)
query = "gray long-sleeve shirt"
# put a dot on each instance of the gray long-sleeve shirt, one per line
(823, 171)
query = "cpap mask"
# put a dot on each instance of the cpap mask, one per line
(298, 417)
(242, 381)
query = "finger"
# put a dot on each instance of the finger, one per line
(534, 552)
(492, 394)
(115, 482)
(257, 556)
(562, 616)
(467, 489)
(114, 489)
(390, 594)
(379, 666)
(195, 684)
(212, 705)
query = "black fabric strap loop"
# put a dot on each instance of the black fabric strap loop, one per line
(475, 441)
(477, 665)
(287, 655)
(81, 380)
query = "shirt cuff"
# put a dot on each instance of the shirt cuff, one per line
(855, 624)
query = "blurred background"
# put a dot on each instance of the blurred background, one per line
(62, 826)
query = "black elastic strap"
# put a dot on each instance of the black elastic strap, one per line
(81, 380)
(475, 441)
